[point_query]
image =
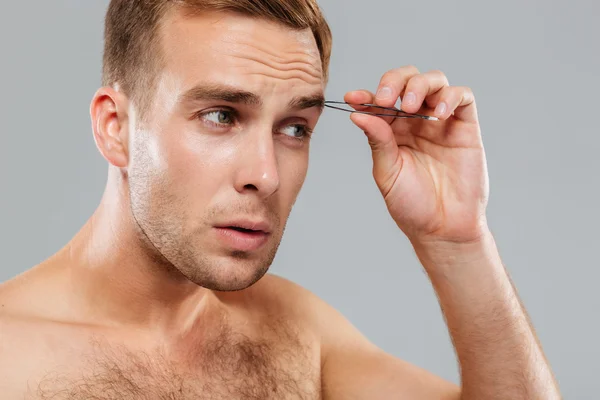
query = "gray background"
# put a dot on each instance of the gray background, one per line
(534, 67)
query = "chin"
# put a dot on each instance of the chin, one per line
(227, 274)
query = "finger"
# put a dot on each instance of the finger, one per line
(467, 108)
(384, 148)
(359, 97)
(392, 84)
(419, 87)
(454, 99)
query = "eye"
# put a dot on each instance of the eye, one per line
(297, 131)
(218, 117)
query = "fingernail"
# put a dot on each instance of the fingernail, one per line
(384, 93)
(440, 109)
(409, 98)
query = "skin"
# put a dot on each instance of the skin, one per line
(147, 272)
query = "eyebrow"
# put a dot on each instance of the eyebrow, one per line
(304, 102)
(233, 95)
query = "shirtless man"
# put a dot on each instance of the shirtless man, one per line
(204, 118)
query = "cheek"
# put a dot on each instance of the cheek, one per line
(292, 173)
(194, 166)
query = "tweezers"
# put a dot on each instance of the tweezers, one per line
(398, 113)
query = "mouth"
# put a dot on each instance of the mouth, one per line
(244, 235)
(243, 230)
(247, 226)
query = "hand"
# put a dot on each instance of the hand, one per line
(432, 174)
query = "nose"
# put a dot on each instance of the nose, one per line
(258, 170)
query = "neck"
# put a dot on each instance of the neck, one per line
(122, 279)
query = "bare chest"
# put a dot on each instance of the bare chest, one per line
(231, 366)
(247, 374)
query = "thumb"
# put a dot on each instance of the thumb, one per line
(383, 145)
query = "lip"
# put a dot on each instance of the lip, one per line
(257, 225)
(242, 241)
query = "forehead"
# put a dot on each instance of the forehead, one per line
(240, 51)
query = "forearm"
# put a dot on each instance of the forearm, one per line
(499, 354)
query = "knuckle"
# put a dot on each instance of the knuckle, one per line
(458, 94)
(457, 90)
(389, 78)
(447, 94)
(444, 79)
(437, 72)
(410, 68)
(417, 81)
(396, 76)
(465, 92)
(438, 76)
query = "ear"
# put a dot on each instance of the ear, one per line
(109, 112)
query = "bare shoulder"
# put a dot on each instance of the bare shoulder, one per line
(314, 312)
(21, 336)
(21, 295)
(10, 294)
(352, 366)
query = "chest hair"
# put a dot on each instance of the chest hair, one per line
(230, 365)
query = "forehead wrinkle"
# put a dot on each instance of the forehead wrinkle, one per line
(233, 52)
(309, 56)
(283, 71)
(301, 42)
(291, 61)
(283, 76)
(281, 68)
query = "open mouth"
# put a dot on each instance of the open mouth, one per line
(244, 230)
(242, 239)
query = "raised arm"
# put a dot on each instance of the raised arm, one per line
(499, 354)
(433, 177)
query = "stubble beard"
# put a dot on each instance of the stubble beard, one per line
(165, 242)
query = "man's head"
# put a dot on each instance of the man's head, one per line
(133, 45)
(205, 117)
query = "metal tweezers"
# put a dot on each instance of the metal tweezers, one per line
(398, 113)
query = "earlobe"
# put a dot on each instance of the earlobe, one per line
(109, 114)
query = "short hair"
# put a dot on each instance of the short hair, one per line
(132, 54)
